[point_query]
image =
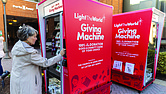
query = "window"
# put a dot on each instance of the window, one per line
(163, 6)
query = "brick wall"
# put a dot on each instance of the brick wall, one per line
(117, 4)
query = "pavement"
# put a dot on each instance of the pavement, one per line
(158, 86)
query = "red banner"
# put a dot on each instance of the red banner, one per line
(130, 44)
(88, 28)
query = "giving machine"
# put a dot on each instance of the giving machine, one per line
(86, 67)
(136, 39)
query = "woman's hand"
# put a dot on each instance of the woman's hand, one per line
(63, 51)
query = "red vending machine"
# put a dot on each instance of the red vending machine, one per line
(86, 36)
(136, 43)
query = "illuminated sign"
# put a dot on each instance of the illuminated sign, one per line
(23, 7)
(53, 8)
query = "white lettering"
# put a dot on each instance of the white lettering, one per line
(136, 23)
(89, 32)
(127, 34)
(81, 17)
(87, 28)
(82, 36)
(23, 7)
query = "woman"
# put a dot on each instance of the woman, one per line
(26, 74)
(1, 53)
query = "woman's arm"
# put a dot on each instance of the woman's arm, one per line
(37, 59)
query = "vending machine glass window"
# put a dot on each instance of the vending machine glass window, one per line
(152, 50)
(53, 49)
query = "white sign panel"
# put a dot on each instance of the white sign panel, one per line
(155, 18)
(117, 65)
(53, 8)
(129, 68)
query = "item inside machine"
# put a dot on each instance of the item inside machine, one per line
(58, 68)
(58, 51)
(57, 26)
(57, 35)
(148, 74)
(54, 86)
(57, 43)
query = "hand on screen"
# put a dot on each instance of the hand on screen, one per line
(63, 51)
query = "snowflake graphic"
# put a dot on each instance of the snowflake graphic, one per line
(140, 21)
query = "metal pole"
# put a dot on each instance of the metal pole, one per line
(6, 48)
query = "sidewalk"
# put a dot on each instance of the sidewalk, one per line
(158, 86)
(7, 64)
(155, 88)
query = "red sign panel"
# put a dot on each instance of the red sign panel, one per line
(88, 27)
(130, 44)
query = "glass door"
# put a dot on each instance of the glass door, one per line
(53, 49)
(152, 50)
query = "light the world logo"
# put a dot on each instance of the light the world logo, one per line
(81, 17)
(136, 23)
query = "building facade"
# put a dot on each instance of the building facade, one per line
(18, 12)
(117, 4)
